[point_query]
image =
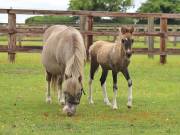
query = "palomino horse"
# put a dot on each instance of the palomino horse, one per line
(63, 58)
(115, 57)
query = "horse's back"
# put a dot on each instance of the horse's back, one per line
(58, 48)
(51, 29)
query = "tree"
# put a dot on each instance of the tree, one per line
(100, 5)
(161, 6)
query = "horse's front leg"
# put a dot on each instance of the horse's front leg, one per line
(61, 98)
(48, 94)
(103, 85)
(114, 104)
(126, 75)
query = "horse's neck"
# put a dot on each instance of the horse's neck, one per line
(118, 46)
(121, 55)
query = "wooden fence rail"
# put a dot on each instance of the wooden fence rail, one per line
(12, 30)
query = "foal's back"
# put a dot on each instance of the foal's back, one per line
(105, 53)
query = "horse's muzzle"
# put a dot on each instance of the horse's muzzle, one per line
(69, 109)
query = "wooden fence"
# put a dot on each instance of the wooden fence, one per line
(13, 31)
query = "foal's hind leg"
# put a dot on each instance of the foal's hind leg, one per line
(61, 98)
(48, 79)
(126, 75)
(114, 104)
(103, 85)
(93, 68)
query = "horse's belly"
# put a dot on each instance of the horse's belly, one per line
(51, 65)
(53, 69)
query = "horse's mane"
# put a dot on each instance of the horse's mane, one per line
(74, 66)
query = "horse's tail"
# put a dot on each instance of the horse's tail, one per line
(54, 80)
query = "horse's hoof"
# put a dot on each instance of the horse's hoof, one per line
(48, 100)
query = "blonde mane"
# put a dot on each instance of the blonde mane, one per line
(74, 65)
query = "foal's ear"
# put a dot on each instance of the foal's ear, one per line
(123, 29)
(131, 30)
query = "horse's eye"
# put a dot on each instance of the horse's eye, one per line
(79, 94)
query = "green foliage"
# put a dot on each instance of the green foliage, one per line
(49, 19)
(100, 5)
(161, 6)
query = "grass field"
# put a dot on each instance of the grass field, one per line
(156, 106)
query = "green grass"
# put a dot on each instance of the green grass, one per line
(156, 108)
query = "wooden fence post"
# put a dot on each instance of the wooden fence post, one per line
(89, 37)
(175, 37)
(12, 37)
(150, 39)
(83, 27)
(163, 27)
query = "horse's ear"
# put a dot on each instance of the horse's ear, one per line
(80, 78)
(123, 29)
(131, 29)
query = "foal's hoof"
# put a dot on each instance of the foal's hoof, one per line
(91, 102)
(108, 103)
(115, 107)
(129, 106)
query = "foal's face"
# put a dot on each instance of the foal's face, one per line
(73, 92)
(127, 40)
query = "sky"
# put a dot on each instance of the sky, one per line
(42, 4)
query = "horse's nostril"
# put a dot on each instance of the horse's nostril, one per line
(70, 114)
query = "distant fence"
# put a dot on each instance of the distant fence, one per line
(12, 30)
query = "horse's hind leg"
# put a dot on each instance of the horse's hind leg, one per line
(61, 97)
(126, 75)
(93, 67)
(114, 104)
(48, 79)
(103, 85)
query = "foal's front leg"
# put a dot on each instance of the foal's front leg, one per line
(93, 68)
(126, 75)
(103, 85)
(114, 104)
